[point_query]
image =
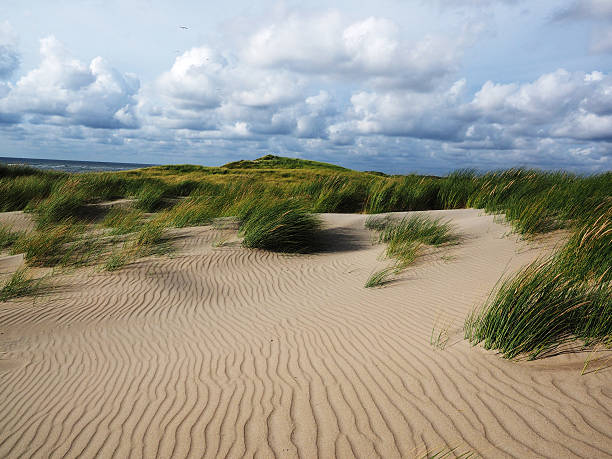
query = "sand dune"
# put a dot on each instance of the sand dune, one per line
(229, 352)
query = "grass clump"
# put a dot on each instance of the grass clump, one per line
(66, 201)
(427, 230)
(18, 285)
(565, 298)
(193, 211)
(379, 278)
(281, 226)
(150, 239)
(538, 309)
(150, 198)
(150, 234)
(122, 221)
(48, 246)
(405, 238)
(117, 260)
(8, 237)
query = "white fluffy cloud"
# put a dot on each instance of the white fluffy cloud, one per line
(207, 91)
(549, 105)
(65, 91)
(559, 108)
(371, 49)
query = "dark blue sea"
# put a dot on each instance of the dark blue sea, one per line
(67, 165)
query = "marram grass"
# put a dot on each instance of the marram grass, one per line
(19, 284)
(379, 278)
(538, 309)
(122, 220)
(566, 297)
(8, 237)
(281, 226)
(406, 237)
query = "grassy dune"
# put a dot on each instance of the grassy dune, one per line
(566, 297)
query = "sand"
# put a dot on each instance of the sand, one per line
(230, 352)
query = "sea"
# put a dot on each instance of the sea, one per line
(66, 165)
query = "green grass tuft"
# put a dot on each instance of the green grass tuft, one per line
(150, 198)
(117, 260)
(379, 278)
(48, 246)
(406, 237)
(123, 221)
(66, 201)
(281, 226)
(193, 211)
(18, 285)
(8, 237)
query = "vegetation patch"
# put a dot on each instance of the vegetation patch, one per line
(150, 198)
(193, 211)
(8, 237)
(282, 226)
(18, 285)
(123, 221)
(379, 278)
(533, 202)
(567, 297)
(405, 238)
(50, 245)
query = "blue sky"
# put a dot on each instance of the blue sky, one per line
(399, 86)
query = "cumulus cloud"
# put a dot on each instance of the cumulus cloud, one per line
(370, 49)
(65, 91)
(207, 91)
(404, 113)
(526, 119)
(548, 105)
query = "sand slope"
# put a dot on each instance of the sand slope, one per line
(228, 352)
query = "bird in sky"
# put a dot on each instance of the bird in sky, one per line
(183, 27)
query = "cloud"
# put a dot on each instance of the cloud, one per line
(404, 113)
(208, 91)
(356, 92)
(549, 105)
(370, 49)
(9, 54)
(596, 12)
(510, 121)
(586, 9)
(65, 91)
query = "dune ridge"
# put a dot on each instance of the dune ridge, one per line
(229, 352)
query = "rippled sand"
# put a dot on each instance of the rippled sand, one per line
(229, 352)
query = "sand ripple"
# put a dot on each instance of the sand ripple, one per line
(228, 352)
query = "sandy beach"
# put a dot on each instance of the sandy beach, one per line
(223, 351)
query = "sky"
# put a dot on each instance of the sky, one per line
(399, 86)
